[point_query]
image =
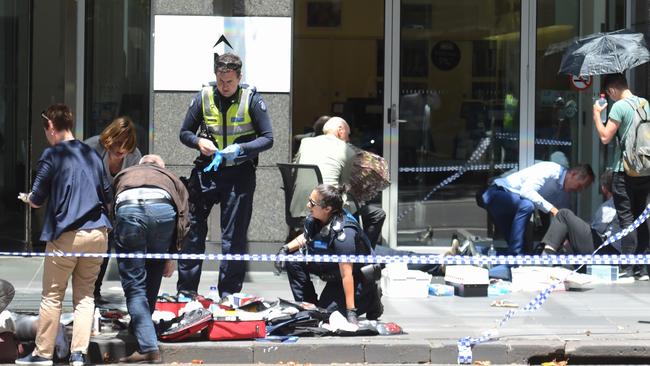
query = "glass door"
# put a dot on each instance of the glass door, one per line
(14, 120)
(474, 93)
(453, 116)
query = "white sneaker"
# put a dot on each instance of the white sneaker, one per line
(644, 277)
(625, 279)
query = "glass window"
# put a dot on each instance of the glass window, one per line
(640, 80)
(338, 68)
(556, 107)
(459, 85)
(14, 114)
(117, 65)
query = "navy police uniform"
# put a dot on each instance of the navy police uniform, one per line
(241, 119)
(342, 236)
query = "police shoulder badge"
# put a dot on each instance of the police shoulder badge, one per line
(262, 105)
(337, 229)
(341, 236)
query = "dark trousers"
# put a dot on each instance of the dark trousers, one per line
(141, 229)
(631, 196)
(566, 225)
(511, 214)
(372, 218)
(102, 270)
(232, 188)
(332, 298)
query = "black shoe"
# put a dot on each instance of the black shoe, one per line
(376, 308)
(189, 294)
(641, 273)
(137, 357)
(99, 300)
(626, 274)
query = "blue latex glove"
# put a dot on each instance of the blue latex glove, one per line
(216, 161)
(231, 152)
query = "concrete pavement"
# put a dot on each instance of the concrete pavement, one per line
(588, 326)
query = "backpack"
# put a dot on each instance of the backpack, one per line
(636, 155)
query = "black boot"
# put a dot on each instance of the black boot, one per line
(376, 308)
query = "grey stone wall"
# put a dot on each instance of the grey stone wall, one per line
(268, 8)
(169, 108)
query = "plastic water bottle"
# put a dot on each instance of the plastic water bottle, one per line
(491, 252)
(603, 114)
(213, 294)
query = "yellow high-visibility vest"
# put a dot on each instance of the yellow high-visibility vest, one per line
(238, 120)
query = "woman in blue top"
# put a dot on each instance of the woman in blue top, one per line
(71, 177)
(116, 145)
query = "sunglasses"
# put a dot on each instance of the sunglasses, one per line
(312, 203)
(228, 65)
(44, 116)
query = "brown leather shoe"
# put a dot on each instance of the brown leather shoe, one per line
(137, 357)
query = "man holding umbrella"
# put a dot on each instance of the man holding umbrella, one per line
(610, 54)
(631, 194)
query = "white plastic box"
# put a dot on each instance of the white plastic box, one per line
(468, 281)
(398, 281)
(603, 273)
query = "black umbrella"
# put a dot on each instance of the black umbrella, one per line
(604, 53)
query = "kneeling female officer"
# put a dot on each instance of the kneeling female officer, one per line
(331, 230)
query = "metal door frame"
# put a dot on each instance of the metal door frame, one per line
(392, 37)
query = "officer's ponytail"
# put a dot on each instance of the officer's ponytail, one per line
(332, 196)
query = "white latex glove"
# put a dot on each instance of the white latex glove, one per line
(24, 197)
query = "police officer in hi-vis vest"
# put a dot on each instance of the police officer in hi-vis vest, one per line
(229, 124)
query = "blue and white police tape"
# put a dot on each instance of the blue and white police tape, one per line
(476, 154)
(470, 165)
(453, 168)
(521, 260)
(549, 142)
(465, 344)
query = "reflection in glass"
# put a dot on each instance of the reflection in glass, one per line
(338, 68)
(556, 107)
(117, 65)
(14, 71)
(459, 84)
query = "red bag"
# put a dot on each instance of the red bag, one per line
(190, 323)
(8, 347)
(175, 307)
(224, 330)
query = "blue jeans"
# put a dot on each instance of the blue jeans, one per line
(232, 188)
(143, 228)
(511, 214)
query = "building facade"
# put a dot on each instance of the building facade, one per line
(450, 92)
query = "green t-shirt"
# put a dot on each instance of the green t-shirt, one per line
(623, 113)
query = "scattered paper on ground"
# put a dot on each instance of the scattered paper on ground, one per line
(504, 304)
